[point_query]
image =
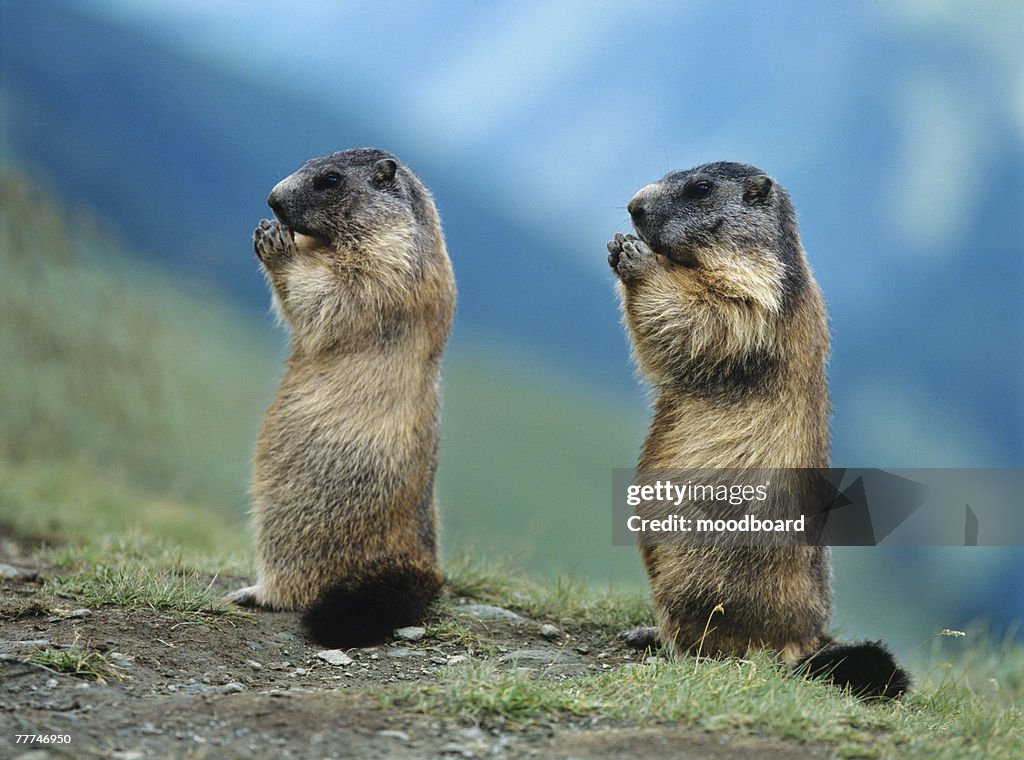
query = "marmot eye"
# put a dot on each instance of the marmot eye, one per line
(700, 189)
(325, 181)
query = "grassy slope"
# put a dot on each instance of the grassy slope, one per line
(144, 502)
(125, 404)
(524, 469)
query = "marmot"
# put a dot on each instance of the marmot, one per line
(729, 327)
(343, 487)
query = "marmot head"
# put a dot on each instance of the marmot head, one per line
(347, 200)
(726, 218)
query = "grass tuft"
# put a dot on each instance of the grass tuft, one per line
(92, 666)
(135, 584)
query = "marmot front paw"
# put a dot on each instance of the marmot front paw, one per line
(629, 256)
(272, 242)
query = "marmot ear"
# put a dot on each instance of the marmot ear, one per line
(757, 189)
(384, 170)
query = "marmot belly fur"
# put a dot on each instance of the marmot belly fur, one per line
(729, 327)
(343, 486)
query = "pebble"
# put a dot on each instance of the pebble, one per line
(410, 633)
(544, 656)
(232, 688)
(199, 688)
(488, 612)
(457, 659)
(393, 734)
(10, 571)
(82, 612)
(255, 665)
(400, 652)
(334, 657)
(549, 631)
(451, 748)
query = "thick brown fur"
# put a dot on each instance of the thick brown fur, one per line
(343, 486)
(730, 328)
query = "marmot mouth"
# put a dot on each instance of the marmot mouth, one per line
(296, 232)
(682, 256)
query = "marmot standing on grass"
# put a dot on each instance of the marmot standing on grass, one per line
(343, 490)
(730, 328)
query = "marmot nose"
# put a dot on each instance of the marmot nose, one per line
(636, 209)
(276, 205)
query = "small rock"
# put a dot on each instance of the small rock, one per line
(232, 688)
(549, 631)
(457, 659)
(410, 633)
(80, 613)
(488, 612)
(200, 688)
(255, 665)
(653, 660)
(544, 656)
(254, 645)
(12, 572)
(451, 748)
(392, 734)
(334, 657)
(583, 648)
(400, 652)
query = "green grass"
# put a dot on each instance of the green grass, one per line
(91, 666)
(527, 452)
(946, 717)
(71, 504)
(109, 367)
(567, 600)
(135, 583)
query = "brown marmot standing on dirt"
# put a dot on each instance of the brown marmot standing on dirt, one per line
(343, 490)
(730, 329)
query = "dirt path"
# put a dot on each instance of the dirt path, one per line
(252, 688)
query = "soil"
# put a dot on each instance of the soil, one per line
(252, 687)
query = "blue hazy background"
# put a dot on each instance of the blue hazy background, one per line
(897, 127)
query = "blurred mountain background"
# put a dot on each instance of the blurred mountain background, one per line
(139, 140)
